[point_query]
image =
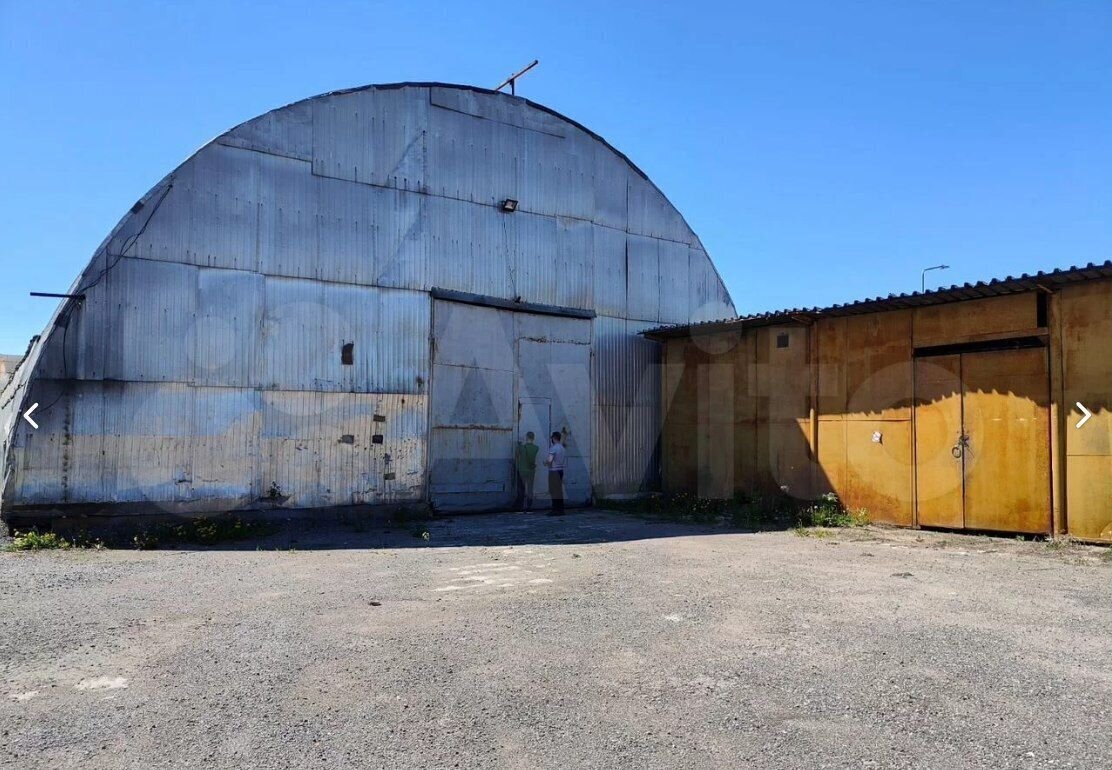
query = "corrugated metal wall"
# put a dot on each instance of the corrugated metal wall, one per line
(205, 361)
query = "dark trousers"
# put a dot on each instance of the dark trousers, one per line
(525, 480)
(556, 490)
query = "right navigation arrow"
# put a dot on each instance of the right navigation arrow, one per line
(1084, 411)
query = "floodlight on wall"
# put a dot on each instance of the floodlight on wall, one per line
(509, 205)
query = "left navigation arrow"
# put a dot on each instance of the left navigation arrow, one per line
(27, 416)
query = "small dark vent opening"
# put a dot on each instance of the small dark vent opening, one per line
(347, 354)
(782, 340)
(1041, 312)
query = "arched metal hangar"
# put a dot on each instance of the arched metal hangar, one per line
(333, 304)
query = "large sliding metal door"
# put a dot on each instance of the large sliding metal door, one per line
(472, 413)
(496, 375)
(554, 364)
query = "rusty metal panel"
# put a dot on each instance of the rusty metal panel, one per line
(939, 472)
(374, 136)
(830, 468)
(977, 319)
(832, 396)
(783, 447)
(1087, 378)
(1087, 367)
(1007, 458)
(878, 365)
(879, 472)
(287, 131)
(1089, 490)
(782, 384)
(782, 391)
(210, 217)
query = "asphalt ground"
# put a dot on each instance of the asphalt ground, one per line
(593, 640)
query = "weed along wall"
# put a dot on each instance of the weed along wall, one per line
(955, 409)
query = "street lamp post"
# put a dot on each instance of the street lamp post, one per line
(927, 270)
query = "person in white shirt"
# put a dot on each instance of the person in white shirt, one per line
(556, 462)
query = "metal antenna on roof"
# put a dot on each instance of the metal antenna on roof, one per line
(511, 81)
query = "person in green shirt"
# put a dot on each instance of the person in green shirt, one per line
(526, 465)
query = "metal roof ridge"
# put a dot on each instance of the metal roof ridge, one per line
(941, 295)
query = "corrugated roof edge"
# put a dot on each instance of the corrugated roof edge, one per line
(1045, 281)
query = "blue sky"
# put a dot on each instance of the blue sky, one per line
(823, 151)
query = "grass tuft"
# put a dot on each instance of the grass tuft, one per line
(768, 512)
(33, 540)
(38, 541)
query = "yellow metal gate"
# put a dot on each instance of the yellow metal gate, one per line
(982, 441)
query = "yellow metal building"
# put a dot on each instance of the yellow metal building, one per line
(957, 408)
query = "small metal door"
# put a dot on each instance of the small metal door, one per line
(939, 456)
(1007, 454)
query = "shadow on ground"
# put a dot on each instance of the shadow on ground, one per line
(244, 532)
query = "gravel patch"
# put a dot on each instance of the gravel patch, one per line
(593, 640)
